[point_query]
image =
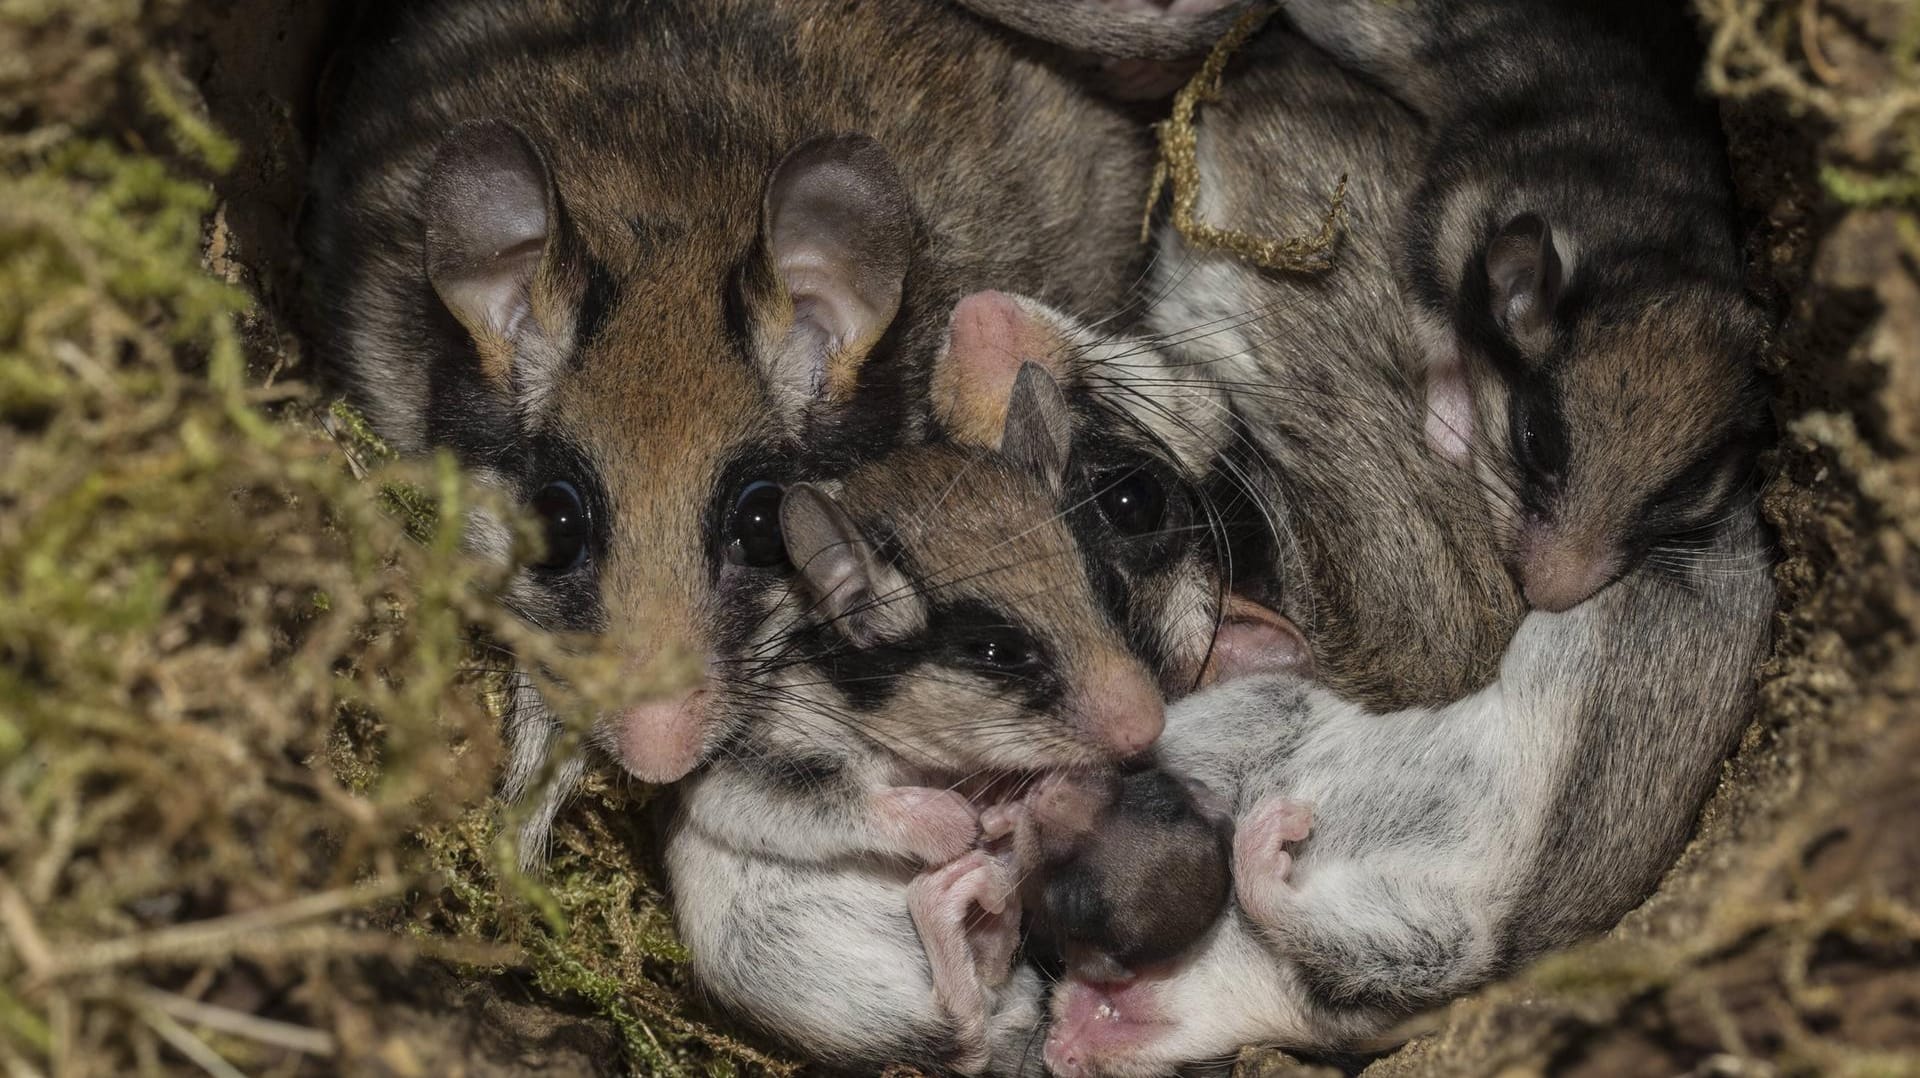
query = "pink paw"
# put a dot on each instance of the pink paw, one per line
(933, 825)
(1001, 820)
(970, 927)
(1067, 805)
(1261, 861)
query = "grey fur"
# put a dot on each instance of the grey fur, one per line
(1450, 845)
(1622, 412)
(1304, 389)
(1112, 32)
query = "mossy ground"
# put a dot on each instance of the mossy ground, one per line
(245, 741)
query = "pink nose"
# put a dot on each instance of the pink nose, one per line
(662, 740)
(1121, 709)
(1558, 573)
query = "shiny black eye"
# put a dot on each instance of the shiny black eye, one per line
(753, 528)
(568, 527)
(1004, 651)
(1540, 451)
(1133, 502)
(1529, 440)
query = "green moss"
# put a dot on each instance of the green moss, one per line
(243, 662)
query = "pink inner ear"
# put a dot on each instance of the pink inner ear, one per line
(990, 336)
(1449, 411)
(662, 740)
(1254, 640)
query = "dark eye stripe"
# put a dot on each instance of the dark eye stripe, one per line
(543, 466)
(958, 631)
(1696, 497)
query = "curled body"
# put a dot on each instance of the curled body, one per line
(627, 261)
(1386, 864)
(1307, 387)
(1573, 256)
(1569, 254)
(949, 638)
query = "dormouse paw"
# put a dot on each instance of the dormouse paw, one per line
(970, 926)
(932, 825)
(1261, 860)
(1002, 820)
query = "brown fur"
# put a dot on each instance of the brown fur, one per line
(1642, 400)
(659, 125)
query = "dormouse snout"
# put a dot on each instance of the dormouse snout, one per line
(1120, 708)
(1561, 568)
(662, 740)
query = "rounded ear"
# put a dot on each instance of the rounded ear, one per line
(1038, 437)
(493, 231)
(1524, 280)
(1253, 640)
(867, 600)
(837, 237)
(990, 337)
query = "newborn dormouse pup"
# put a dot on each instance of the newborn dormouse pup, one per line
(1569, 253)
(947, 640)
(1117, 871)
(623, 261)
(1384, 865)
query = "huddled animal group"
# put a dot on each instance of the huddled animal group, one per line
(1115, 654)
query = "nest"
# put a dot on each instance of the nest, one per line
(246, 741)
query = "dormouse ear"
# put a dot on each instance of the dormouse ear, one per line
(1039, 433)
(990, 337)
(867, 600)
(493, 243)
(837, 229)
(1524, 280)
(1253, 639)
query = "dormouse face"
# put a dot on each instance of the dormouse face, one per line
(1628, 430)
(646, 394)
(943, 608)
(1159, 531)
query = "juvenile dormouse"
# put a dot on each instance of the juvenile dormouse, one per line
(944, 631)
(1570, 257)
(629, 261)
(1117, 871)
(1573, 256)
(1386, 864)
(948, 638)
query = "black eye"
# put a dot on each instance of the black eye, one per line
(1133, 502)
(563, 516)
(1538, 451)
(753, 529)
(1002, 651)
